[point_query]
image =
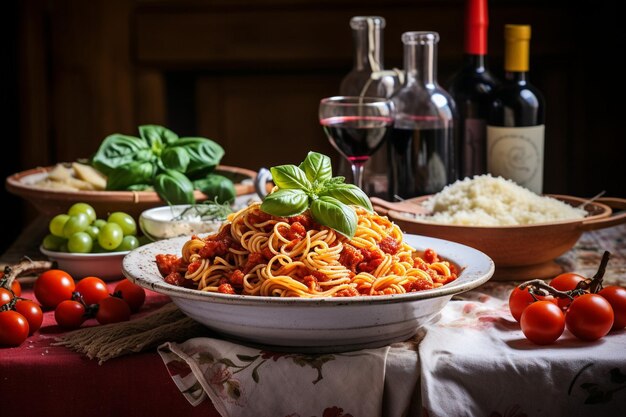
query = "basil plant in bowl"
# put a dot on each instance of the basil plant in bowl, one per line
(311, 186)
(158, 159)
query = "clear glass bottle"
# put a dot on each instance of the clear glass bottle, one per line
(367, 79)
(422, 146)
(515, 130)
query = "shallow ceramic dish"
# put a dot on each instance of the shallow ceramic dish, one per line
(521, 252)
(165, 222)
(314, 325)
(51, 202)
(107, 266)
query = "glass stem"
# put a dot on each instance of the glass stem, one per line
(357, 175)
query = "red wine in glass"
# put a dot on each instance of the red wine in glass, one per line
(357, 137)
(356, 127)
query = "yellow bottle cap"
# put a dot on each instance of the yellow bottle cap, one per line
(517, 41)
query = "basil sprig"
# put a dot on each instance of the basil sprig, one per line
(158, 158)
(312, 186)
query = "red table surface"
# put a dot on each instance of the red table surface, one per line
(42, 380)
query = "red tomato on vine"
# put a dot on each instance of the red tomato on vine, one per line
(616, 296)
(542, 322)
(589, 317)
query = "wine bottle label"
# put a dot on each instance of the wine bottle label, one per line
(516, 153)
(473, 152)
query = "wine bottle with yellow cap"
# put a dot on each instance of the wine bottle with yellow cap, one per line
(515, 127)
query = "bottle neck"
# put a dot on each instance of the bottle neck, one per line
(368, 46)
(477, 63)
(516, 48)
(420, 62)
(517, 77)
(476, 24)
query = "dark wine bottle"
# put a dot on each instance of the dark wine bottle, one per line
(471, 88)
(515, 130)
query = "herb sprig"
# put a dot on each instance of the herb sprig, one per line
(311, 186)
(208, 210)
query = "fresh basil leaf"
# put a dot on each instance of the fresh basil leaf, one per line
(335, 180)
(117, 150)
(157, 136)
(204, 155)
(174, 187)
(125, 176)
(330, 212)
(285, 203)
(175, 157)
(289, 177)
(317, 167)
(217, 188)
(140, 187)
(348, 194)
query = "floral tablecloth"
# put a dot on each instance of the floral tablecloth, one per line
(474, 361)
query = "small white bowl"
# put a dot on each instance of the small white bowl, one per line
(106, 266)
(158, 223)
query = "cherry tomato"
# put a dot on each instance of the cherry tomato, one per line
(520, 299)
(16, 287)
(566, 281)
(13, 328)
(31, 312)
(5, 296)
(589, 317)
(54, 286)
(112, 310)
(616, 296)
(93, 289)
(542, 322)
(132, 293)
(70, 314)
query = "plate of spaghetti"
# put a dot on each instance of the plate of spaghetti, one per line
(293, 284)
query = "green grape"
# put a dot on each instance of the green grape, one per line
(63, 247)
(52, 242)
(84, 208)
(74, 224)
(80, 242)
(57, 223)
(110, 236)
(128, 243)
(126, 221)
(99, 223)
(92, 231)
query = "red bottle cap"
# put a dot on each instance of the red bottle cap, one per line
(476, 23)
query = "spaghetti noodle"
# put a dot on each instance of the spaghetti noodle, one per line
(255, 253)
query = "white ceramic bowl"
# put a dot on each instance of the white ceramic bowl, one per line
(314, 325)
(107, 266)
(159, 223)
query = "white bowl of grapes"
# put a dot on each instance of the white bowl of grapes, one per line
(84, 244)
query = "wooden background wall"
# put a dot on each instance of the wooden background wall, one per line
(249, 74)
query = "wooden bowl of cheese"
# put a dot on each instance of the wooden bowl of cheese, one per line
(50, 195)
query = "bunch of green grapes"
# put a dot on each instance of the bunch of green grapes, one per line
(80, 231)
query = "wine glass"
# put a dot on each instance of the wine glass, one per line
(356, 126)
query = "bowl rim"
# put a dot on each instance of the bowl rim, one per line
(605, 211)
(470, 277)
(81, 256)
